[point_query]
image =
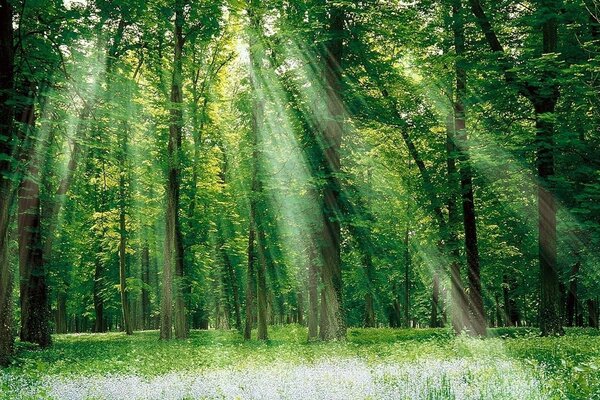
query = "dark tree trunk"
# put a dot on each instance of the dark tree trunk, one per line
(333, 321)
(125, 306)
(550, 314)
(475, 300)
(6, 167)
(510, 308)
(435, 302)
(313, 295)
(543, 95)
(232, 282)
(299, 308)
(407, 277)
(592, 306)
(145, 285)
(61, 311)
(572, 298)
(250, 279)
(99, 325)
(173, 273)
(35, 312)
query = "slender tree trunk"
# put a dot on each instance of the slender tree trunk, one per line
(592, 306)
(250, 280)
(61, 311)
(232, 283)
(407, 276)
(435, 302)
(572, 299)
(332, 309)
(508, 309)
(125, 306)
(146, 284)
(475, 300)
(173, 274)
(300, 308)
(6, 167)
(256, 197)
(313, 295)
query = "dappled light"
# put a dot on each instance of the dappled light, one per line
(299, 200)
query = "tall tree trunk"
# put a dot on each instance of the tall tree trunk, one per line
(435, 302)
(257, 218)
(232, 282)
(475, 300)
(407, 276)
(125, 306)
(550, 320)
(332, 309)
(459, 309)
(6, 168)
(173, 274)
(35, 312)
(145, 285)
(543, 95)
(313, 294)
(250, 279)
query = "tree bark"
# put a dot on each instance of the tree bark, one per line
(543, 96)
(173, 274)
(145, 285)
(313, 295)
(332, 309)
(35, 312)
(6, 168)
(475, 300)
(572, 299)
(250, 280)
(125, 305)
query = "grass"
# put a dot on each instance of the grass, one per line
(420, 363)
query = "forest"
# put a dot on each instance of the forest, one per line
(299, 199)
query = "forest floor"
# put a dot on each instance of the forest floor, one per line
(371, 364)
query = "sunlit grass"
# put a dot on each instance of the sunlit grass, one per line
(372, 363)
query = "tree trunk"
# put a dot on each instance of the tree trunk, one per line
(125, 306)
(475, 300)
(407, 277)
(35, 312)
(6, 168)
(313, 295)
(233, 282)
(435, 302)
(61, 311)
(99, 325)
(510, 310)
(145, 285)
(332, 309)
(543, 95)
(592, 306)
(572, 299)
(173, 274)
(250, 280)
(299, 308)
(550, 320)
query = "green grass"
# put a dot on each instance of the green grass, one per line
(568, 367)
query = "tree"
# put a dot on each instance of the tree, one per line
(542, 92)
